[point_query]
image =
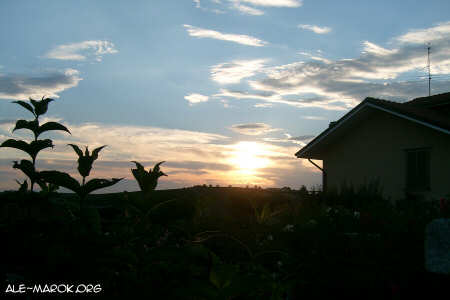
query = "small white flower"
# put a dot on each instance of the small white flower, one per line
(357, 214)
(270, 237)
(279, 263)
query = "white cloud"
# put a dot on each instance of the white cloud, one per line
(273, 3)
(422, 36)
(376, 72)
(235, 38)
(235, 71)
(301, 140)
(374, 49)
(24, 86)
(82, 50)
(315, 28)
(248, 10)
(253, 128)
(247, 7)
(127, 142)
(315, 57)
(278, 98)
(196, 98)
(244, 7)
(313, 118)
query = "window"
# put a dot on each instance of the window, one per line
(418, 169)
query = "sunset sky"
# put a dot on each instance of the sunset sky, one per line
(224, 91)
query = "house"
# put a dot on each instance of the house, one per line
(405, 146)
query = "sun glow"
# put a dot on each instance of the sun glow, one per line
(247, 157)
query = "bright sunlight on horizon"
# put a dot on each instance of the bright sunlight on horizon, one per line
(248, 157)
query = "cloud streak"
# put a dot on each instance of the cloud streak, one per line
(235, 71)
(235, 38)
(82, 50)
(378, 71)
(273, 98)
(315, 28)
(421, 36)
(253, 128)
(301, 140)
(272, 3)
(14, 86)
(246, 7)
(196, 98)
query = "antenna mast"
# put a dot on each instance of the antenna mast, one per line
(429, 70)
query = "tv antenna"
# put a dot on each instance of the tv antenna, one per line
(429, 69)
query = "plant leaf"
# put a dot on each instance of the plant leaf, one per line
(139, 174)
(40, 107)
(96, 151)
(16, 144)
(61, 179)
(26, 106)
(24, 124)
(32, 149)
(156, 167)
(36, 146)
(96, 183)
(27, 168)
(138, 165)
(76, 149)
(51, 126)
(23, 186)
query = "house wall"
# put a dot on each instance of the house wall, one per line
(375, 148)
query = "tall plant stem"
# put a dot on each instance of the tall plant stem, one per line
(82, 198)
(32, 181)
(34, 158)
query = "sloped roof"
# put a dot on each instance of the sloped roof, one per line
(431, 101)
(417, 110)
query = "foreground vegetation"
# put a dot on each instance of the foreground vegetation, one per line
(214, 243)
(205, 242)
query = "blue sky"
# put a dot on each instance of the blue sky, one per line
(224, 91)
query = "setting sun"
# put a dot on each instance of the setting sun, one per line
(248, 157)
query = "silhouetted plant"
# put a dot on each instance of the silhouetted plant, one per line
(23, 186)
(85, 162)
(147, 180)
(37, 108)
